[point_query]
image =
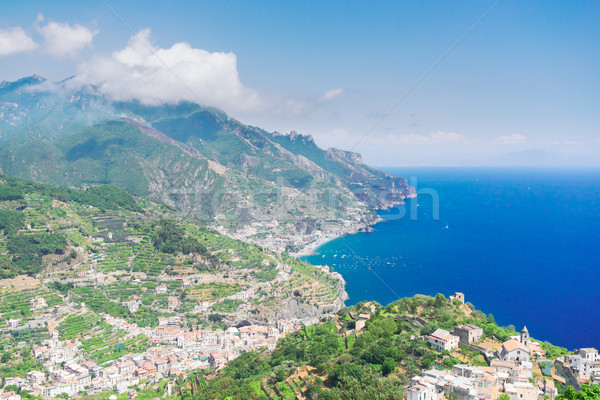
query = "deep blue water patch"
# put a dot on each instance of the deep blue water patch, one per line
(523, 245)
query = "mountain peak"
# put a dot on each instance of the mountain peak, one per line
(27, 81)
(293, 135)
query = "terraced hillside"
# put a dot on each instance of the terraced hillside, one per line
(108, 252)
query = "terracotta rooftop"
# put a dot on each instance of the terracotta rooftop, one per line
(512, 344)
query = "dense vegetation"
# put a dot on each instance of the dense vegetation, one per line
(11, 221)
(171, 238)
(91, 253)
(588, 392)
(104, 197)
(27, 250)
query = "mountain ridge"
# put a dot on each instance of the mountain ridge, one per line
(277, 190)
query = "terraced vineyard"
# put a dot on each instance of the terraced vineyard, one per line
(102, 251)
(211, 292)
(99, 340)
(78, 326)
(16, 304)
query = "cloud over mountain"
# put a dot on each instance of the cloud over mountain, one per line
(153, 75)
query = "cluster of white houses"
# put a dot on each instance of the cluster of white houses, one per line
(474, 383)
(585, 363)
(510, 371)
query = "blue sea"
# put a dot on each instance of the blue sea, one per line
(521, 244)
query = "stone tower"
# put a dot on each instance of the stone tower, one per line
(525, 337)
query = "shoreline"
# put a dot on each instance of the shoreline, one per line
(309, 249)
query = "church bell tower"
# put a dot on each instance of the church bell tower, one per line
(525, 337)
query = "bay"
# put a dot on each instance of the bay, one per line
(522, 244)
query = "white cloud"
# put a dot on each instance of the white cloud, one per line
(438, 137)
(331, 94)
(515, 138)
(153, 75)
(64, 40)
(15, 40)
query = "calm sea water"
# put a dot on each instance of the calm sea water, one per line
(523, 245)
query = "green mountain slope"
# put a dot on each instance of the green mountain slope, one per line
(275, 190)
(101, 245)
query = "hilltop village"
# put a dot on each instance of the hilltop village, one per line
(511, 367)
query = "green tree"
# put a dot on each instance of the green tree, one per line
(345, 372)
(388, 366)
(440, 300)
(172, 239)
(588, 392)
(215, 318)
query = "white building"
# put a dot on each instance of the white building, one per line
(161, 289)
(10, 396)
(443, 340)
(36, 377)
(590, 354)
(13, 323)
(521, 391)
(55, 391)
(513, 350)
(586, 363)
(421, 391)
(37, 303)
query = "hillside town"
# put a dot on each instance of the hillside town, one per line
(173, 352)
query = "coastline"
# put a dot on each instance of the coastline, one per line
(310, 248)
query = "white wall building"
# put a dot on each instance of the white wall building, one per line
(443, 340)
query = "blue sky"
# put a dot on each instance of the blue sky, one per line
(522, 88)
